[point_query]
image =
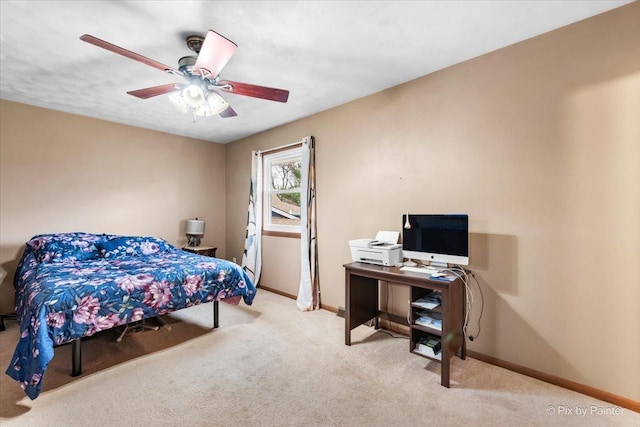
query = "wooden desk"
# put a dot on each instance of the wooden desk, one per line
(201, 250)
(361, 306)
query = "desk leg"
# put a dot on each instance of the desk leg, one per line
(361, 302)
(448, 338)
(444, 375)
(347, 308)
(463, 347)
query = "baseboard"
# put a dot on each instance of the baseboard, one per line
(285, 294)
(623, 402)
(275, 291)
(332, 309)
(605, 396)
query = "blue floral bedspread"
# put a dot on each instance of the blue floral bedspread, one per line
(73, 285)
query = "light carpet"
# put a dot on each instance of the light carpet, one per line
(271, 365)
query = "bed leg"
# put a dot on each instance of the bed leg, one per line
(76, 358)
(215, 314)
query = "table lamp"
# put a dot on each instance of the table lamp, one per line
(195, 231)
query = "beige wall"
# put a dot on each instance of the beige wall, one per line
(540, 144)
(61, 172)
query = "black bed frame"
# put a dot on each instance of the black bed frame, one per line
(5, 316)
(76, 351)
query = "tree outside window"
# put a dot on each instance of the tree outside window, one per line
(282, 178)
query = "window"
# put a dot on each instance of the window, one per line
(282, 176)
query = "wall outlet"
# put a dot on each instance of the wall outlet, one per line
(234, 260)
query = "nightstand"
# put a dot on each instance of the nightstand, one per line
(201, 250)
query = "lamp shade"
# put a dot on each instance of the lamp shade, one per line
(214, 105)
(178, 102)
(195, 227)
(193, 96)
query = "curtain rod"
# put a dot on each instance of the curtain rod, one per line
(280, 147)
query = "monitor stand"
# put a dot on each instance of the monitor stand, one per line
(433, 265)
(438, 265)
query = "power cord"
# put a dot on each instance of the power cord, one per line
(392, 335)
(473, 337)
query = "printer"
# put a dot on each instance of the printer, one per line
(383, 250)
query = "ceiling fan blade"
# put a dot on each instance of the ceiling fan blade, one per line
(131, 55)
(228, 112)
(153, 91)
(214, 54)
(269, 93)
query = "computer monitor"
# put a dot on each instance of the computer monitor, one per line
(439, 239)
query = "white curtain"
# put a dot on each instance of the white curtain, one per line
(252, 256)
(309, 292)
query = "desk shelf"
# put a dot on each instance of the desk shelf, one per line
(432, 331)
(437, 309)
(419, 331)
(362, 302)
(435, 357)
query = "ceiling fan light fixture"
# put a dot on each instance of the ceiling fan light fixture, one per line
(176, 99)
(212, 102)
(202, 71)
(193, 96)
(215, 105)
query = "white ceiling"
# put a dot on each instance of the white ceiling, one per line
(325, 53)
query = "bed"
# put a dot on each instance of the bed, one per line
(73, 285)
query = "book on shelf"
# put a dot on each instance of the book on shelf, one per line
(430, 341)
(430, 301)
(429, 346)
(429, 319)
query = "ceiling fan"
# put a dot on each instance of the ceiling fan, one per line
(200, 95)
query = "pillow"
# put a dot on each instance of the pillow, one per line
(65, 247)
(133, 246)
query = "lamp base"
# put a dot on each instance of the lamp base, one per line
(192, 240)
